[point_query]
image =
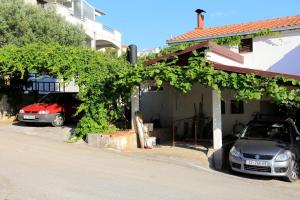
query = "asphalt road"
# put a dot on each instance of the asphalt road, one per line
(37, 168)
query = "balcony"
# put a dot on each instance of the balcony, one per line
(80, 13)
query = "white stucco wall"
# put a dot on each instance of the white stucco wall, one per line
(171, 105)
(157, 104)
(183, 104)
(228, 119)
(277, 53)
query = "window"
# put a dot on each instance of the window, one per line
(237, 107)
(246, 45)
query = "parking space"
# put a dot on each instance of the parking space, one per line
(41, 130)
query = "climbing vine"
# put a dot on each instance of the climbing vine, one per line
(106, 81)
(281, 90)
(229, 41)
(236, 40)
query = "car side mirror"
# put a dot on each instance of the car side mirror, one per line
(298, 138)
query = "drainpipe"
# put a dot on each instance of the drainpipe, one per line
(135, 97)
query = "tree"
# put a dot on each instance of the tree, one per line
(22, 23)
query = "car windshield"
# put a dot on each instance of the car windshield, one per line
(52, 98)
(267, 131)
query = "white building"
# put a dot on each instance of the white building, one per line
(270, 55)
(81, 13)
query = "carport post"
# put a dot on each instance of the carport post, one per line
(217, 120)
(135, 106)
(135, 96)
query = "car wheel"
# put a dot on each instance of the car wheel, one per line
(58, 121)
(293, 172)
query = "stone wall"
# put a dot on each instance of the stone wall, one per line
(123, 140)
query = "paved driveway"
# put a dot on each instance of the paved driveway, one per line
(41, 130)
(37, 168)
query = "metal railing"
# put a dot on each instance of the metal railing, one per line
(83, 9)
(44, 87)
(109, 29)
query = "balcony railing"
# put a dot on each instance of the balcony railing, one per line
(109, 29)
(44, 87)
(83, 14)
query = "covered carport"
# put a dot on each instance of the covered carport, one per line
(203, 114)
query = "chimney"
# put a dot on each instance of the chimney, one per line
(200, 18)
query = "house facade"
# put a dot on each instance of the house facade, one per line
(277, 51)
(215, 116)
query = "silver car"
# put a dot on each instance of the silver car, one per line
(268, 148)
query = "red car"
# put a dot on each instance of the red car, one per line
(54, 108)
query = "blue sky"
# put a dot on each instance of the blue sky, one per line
(149, 23)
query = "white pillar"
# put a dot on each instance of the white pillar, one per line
(217, 120)
(135, 106)
(119, 50)
(94, 42)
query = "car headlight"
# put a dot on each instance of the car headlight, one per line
(283, 157)
(21, 111)
(43, 112)
(234, 152)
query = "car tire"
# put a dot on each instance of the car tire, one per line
(58, 121)
(293, 173)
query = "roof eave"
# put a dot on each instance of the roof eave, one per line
(261, 73)
(215, 48)
(201, 39)
(99, 12)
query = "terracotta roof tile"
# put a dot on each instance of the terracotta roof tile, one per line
(283, 22)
